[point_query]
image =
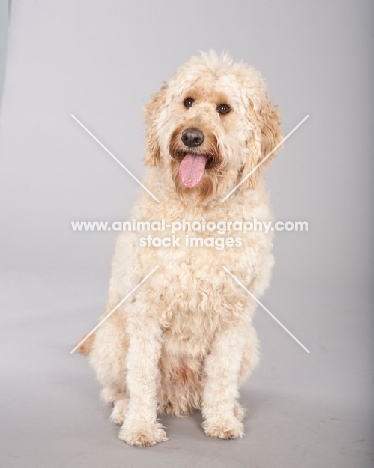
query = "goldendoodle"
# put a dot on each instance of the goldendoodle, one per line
(184, 340)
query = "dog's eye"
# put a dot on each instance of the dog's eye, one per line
(188, 102)
(223, 109)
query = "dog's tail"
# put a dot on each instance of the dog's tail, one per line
(86, 346)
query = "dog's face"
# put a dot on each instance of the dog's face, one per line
(209, 126)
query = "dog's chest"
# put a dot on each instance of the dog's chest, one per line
(197, 297)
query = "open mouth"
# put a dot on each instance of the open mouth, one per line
(193, 157)
(192, 168)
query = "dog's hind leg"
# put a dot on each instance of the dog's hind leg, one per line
(108, 356)
(120, 407)
(86, 346)
(250, 357)
(249, 361)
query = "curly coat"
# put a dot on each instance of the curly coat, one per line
(185, 340)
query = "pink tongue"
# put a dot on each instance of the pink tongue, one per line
(191, 169)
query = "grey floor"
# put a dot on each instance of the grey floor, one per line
(303, 410)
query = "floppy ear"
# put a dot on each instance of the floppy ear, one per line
(266, 135)
(150, 112)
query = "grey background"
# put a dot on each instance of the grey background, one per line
(101, 61)
(3, 39)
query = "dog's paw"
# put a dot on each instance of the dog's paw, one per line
(226, 429)
(108, 394)
(239, 411)
(144, 436)
(119, 411)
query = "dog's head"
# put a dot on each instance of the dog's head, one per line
(210, 126)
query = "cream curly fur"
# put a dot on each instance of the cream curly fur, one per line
(185, 341)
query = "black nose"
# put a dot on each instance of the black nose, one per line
(192, 137)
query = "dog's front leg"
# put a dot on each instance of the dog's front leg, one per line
(222, 367)
(140, 426)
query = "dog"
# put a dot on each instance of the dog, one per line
(184, 340)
